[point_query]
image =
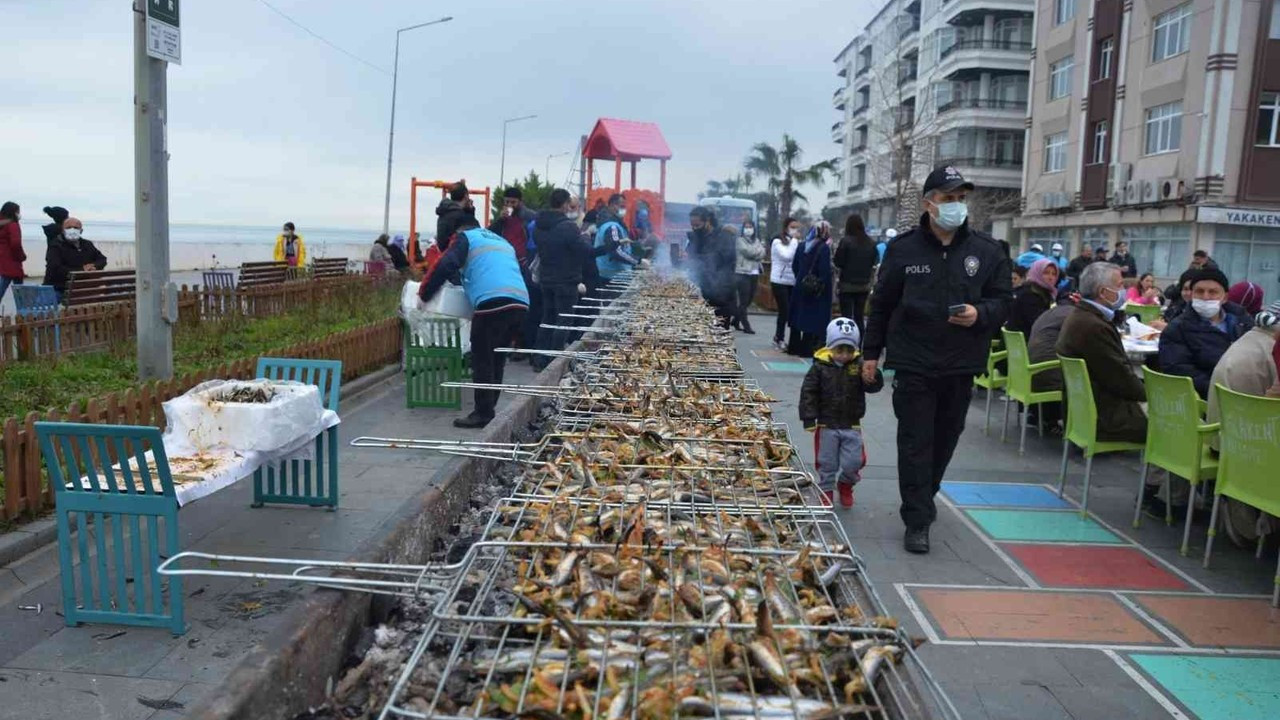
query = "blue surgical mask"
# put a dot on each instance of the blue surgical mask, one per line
(952, 215)
(1120, 300)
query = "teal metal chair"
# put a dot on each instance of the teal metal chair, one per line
(1248, 461)
(303, 482)
(1177, 440)
(992, 380)
(1082, 426)
(1021, 374)
(101, 472)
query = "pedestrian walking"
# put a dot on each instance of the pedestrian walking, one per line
(490, 276)
(943, 290)
(856, 259)
(713, 252)
(11, 253)
(832, 402)
(782, 279)
(811, 298)
(747, 271)
(290, 247)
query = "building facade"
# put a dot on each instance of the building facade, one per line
(1157, 122)
(930, 83)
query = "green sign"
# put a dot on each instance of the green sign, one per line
(165, 11)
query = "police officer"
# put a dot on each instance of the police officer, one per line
(942, 292)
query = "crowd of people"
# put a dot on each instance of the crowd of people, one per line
(67, 250)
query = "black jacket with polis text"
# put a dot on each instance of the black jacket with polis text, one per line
(918, 280)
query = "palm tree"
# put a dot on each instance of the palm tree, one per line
(781, 168)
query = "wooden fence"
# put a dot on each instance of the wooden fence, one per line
(100, 326)
(361, 350)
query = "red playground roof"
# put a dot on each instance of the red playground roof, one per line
(626, 139)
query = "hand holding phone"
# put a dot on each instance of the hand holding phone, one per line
(954, 310)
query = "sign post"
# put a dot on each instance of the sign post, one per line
(157, 42)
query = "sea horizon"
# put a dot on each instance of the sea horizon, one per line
(123, 231)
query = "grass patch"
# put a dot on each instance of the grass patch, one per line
(41, 385)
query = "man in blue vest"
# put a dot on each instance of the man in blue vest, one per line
(612, 231)
(490, 276)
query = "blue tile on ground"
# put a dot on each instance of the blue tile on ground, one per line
(799, 367)
(1002, 495)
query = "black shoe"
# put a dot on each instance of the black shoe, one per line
(916, 540)
(746, 328)
(472, 421)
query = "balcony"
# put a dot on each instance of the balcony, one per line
(863, 70)
(837, 132)
(1020, 106)
(969, 58)
(983, 162)
(909, 28)
(860, 109)
(857, 187)
(974, 12)
(838, 99)
(833, 194)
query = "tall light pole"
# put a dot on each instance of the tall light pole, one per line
(547, 174)
(502, 170)
(391, 136)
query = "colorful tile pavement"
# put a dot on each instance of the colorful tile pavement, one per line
(1207, 621)
(1093, 566)
(1041, 526)
(974, 494)
(1035, 616)
(798, 367)
(1218, 688)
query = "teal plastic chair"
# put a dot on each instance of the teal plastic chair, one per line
(1021, 372)
(1248, 459)
(1144, 313)
(993, 379)
(1177, 440)
(101, 472)
(1082, 426)
(303, 482)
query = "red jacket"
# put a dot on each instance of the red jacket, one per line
(11, 254)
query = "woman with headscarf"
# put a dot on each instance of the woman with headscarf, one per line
(1035, 297)
(379, 252)
(1247, 295)
(398, 257)
(812, 295)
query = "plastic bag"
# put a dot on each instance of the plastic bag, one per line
(417, 315)
(199, 420)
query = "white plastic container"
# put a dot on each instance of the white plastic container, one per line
(198, 420)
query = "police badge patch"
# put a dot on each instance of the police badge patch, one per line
(971, 265)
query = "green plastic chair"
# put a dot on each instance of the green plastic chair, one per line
(1082, 426)
(1021, 371)
(1144, 313)
(1177, 440)
(1250, 454)
(993, 379)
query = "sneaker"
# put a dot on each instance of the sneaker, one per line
(472, 421)
(916, 540)
(828, 498)
(846, 495)
(779, 345)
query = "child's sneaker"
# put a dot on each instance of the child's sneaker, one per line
(827, 498)
(846, 495)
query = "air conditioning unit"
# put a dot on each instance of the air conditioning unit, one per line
(1150, 191)
(1132, 192)
(1167, 188)
(1117, 198)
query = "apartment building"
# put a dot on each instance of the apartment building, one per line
(1157, 122)
(930, 83)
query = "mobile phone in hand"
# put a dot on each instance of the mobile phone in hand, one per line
(954, 310)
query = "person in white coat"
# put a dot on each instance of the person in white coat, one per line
(782, 278)
(746, 274)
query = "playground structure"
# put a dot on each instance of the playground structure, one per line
(628, 141)
(433, 253)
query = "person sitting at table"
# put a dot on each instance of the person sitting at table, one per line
(1088, 334)
(1247, 295)
(1247, 367)
(1144, 292)
(71, 253)
(1034, 297)
(1042, 346)
(1178, 297)
(1194, 342)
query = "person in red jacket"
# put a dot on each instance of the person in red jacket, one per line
(11, 253)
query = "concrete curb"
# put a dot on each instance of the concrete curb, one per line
(288, 671)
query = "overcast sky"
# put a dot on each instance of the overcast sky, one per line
(267, 123)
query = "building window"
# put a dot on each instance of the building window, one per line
(1063, 10)
(1275, 20)
(1162, 250)
(1164, 128)
(1269, 117)
(1099, 142)
(1055, 152)
(1106, 54)
(1172, 33)
(1060, 77)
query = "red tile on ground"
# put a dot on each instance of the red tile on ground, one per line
(1091, 566)
(1034, 616)
(1207, 621)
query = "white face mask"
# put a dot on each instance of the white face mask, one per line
(749, 232)
(71, 234)
(793, 233)
(507, 211)
(622, 212)
(1207, 309)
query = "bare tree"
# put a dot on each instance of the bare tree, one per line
(989, 203)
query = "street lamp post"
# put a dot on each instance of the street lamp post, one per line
(502, 169)
(391, 136)
(547, 173)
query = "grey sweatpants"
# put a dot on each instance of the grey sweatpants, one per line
(840, 457)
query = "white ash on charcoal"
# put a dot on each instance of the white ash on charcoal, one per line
(381, 652)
